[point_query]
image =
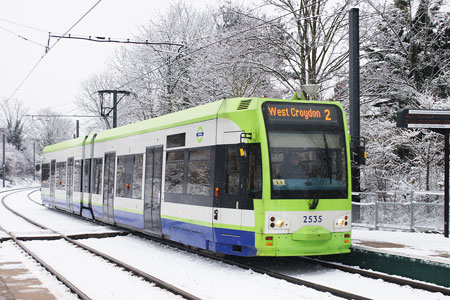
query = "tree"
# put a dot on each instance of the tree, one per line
(237, 62)
(311, 41)
(160, 75)
(13, 112)
(99, 106)
(406, 63)
(50, 130)
(408, 54)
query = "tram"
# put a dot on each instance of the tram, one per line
(242, 176)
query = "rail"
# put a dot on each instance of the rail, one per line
(401, 210)
(145, 276)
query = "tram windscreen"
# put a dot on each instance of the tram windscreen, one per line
(308, 160)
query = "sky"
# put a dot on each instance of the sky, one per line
(55, 82)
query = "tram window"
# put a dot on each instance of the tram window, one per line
(176, 140)
(254, 171)
(121, 188)
(86, 177)
(137, 176)
(129, 176)
(199, 170)
(77, 176)
(45, 175)
(233, 172)
(174, 172)
(98, 164)
(60, 176)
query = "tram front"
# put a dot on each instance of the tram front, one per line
(307, 202)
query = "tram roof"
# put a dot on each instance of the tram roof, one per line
(191, 115)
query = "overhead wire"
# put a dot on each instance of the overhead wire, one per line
(22, 37)
(22, 25)
(51, 47)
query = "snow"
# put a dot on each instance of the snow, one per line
(204, 278)
(429, 246)
(11, 256)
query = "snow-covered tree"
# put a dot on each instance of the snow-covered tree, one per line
(406, 62)
(49, 130)
(13, 112)
(312, 39)
(408, 55)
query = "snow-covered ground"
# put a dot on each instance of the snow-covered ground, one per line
(429, 246)
(202, 277)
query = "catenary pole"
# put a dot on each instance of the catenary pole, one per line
(446, 184)
(114, 109)
(34, 161)
(354, 105)
(3, 165)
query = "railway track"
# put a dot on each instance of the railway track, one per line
(296, 281)
(247, 264)
(73, 287)
(244, 263)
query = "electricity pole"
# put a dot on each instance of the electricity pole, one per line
(4, 165)
(355, 108)
(115, 103)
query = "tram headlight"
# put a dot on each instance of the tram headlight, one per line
(342, 221)
(280, 223)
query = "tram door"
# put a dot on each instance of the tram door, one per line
(52, 182)
(152, 198)
(108, 186)
(69, 186)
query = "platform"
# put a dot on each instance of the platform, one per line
(430, 247)
(421, 256)
(17, 281)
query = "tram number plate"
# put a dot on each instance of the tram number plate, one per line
(312, 219)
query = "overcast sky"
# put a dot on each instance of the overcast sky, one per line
(56, 81)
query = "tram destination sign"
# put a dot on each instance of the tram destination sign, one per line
(423, 118)
(301, 112)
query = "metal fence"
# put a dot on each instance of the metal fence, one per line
(409, 211)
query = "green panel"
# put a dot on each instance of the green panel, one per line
(303, 205)
(311, 233)
(188, 116)
(78, 142)
(285, 245)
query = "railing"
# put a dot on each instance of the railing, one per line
(409, 211)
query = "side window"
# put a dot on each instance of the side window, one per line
(86, 177)
(254, 171)
(199, 172)
(174, 172)
(61, 176)
(45, 175)
(233, 172)
(129, 176)
(176, 140)
(98, 166)
(137, 176)
(121, 188)
(77, 176)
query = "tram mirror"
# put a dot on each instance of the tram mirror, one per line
(37, 167)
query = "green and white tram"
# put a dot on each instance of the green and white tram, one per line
(243, 176)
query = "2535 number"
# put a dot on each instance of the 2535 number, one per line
(312, 219)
